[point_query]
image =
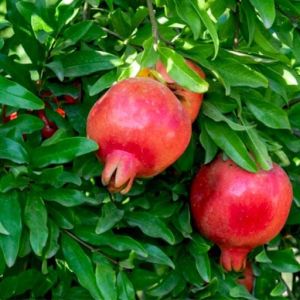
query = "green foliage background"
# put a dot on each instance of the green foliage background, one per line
(62, 235)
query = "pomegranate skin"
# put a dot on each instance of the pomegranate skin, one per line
(141, 128)
(239, 210)
(190, 100)
(248, 278)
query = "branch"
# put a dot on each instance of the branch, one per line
(153, 23)
(89, 247)
(290, 293)
(112, 33)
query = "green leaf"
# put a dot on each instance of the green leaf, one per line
(211, 27)
(103, 83)
(52, 246)
(110, 216)
(259, 148)
(19, 72)
(63, 151)
(213, 113)
(231, 143)
(23, 124)
(15, 95)
(151, 225)
(262, 257)
(117, 242)
(14, 286)
(35, 217)
(65, 196)
(81, 265)
(10, 218)
(266, 112)
(284, 261)
(149, 55)
(278, 290)
(10, 181)
(180, 72)
(266, 9)
(294, 112)
(208, 144)
(166, 286)
(240, 292)
(11, 150)
(233, 73)
(105, 278)
(157, 256)
(86, 62)
(186, 11)
(125, 287)
(184, 222)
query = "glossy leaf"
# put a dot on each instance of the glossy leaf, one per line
(284, 261)
(117, 242)
(10, 218)
(189, 15)
(106, 278)
(84, 62)
(180, 72)
(35, 217)
(23, 124)
(65, 196)
(151, 226)
(13, 94)
(231, 143)
(125, 287)
(157, 256)
(266, 10)
(13, 151)
(63, 151)
(109, 217)
(266, 112)
(81, 264)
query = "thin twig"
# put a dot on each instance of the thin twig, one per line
(153, 23)
(89, 247)
(112, 33)
(290, 293)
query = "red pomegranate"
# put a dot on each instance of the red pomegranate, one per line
(190, 100)
(239, 210)
(49, 127)
(141, 128)
(248, 278)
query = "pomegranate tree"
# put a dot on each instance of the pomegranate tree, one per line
(190, 100)
(141, 128)
(239, 210)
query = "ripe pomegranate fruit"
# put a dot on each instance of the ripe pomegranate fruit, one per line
(239, 210)
(190, 100)
(248, 278)
(141, 128)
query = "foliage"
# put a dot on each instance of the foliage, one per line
(62, 235)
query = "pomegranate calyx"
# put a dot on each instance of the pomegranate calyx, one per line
(120, 170)
(234, 259)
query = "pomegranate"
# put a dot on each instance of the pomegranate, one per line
(141, 128)
(49, 128)
(190, 100)
(247, 278)
(239, 210)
